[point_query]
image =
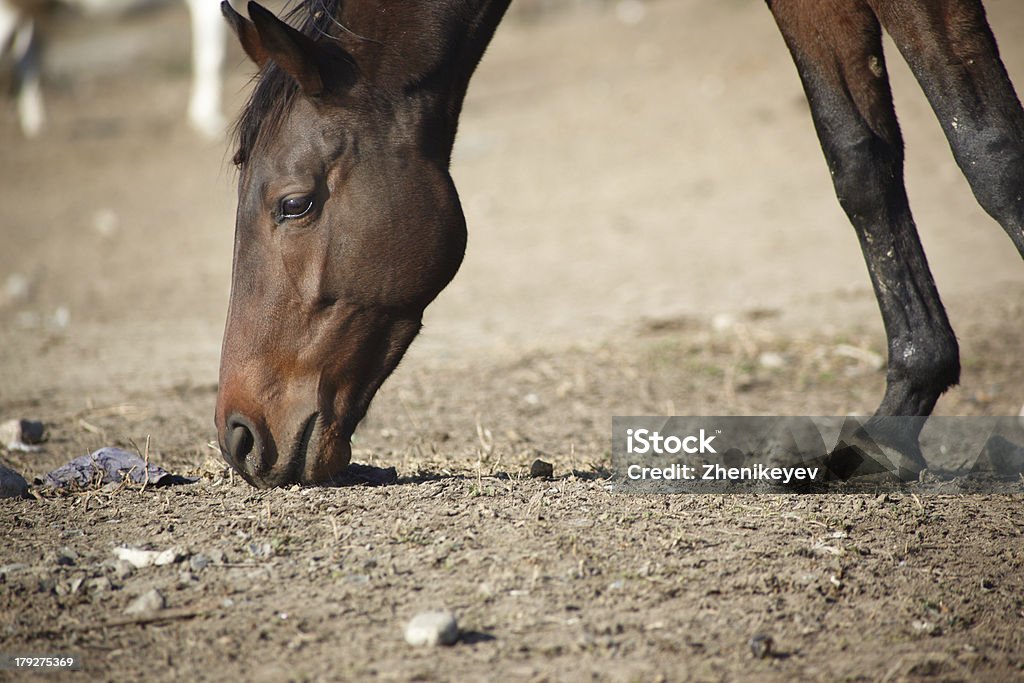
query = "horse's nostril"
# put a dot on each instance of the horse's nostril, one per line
(241, 440)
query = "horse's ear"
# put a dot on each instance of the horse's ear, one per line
(247, 35)
(290, 49)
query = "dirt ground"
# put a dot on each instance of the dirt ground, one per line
(652, 231)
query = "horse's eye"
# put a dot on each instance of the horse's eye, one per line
(295, 207)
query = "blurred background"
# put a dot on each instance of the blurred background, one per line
(618, 161)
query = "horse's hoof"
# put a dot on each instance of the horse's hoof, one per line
(874, 454)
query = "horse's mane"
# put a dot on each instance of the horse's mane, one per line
(274, 89)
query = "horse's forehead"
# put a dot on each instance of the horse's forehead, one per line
(307, 137)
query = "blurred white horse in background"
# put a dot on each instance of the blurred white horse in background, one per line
(18, 34)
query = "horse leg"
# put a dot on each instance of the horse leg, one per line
(837, 47)
(17, 33)
(952, 52)
(208, 45)
(26, 51)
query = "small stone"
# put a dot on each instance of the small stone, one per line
(17, 289)
(123, 569)
(99, 585)
(541, 470)
(761, 645)
(137, 558)
(260, 550)
(722, 322)
(66, 557)
(105, 222)
(12, 484)
(187, 579)
(432, 628)
(198, 562)
(217, 556)
(45, 583)
(771, 360)
(169, 556)
(150, 601)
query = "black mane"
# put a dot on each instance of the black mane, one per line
(275, 90)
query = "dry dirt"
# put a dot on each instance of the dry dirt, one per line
(649, 217)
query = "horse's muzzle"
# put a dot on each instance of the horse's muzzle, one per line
(310, 457)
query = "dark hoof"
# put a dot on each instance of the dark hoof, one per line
(880, 451)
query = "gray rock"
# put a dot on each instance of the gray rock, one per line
(432, 628)
(761, 645)
(12, 484)
(150, 601)
(198, 562)
(65, 557)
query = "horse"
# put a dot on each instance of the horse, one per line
(348, 223)
(19, 34)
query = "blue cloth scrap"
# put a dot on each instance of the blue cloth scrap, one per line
(111, 465)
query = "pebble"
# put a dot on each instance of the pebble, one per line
(169, 556)
(146, 558)
(17, 289)
(12, 484)
(761, 645)
(187, 579)
(135, 557)
(198, 562)
(150, 601)
(65, 557)
(541, 470)
(123, 569)
(432, 628)
(100, 584)
(722, 322)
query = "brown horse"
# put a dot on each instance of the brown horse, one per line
(348, 223)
